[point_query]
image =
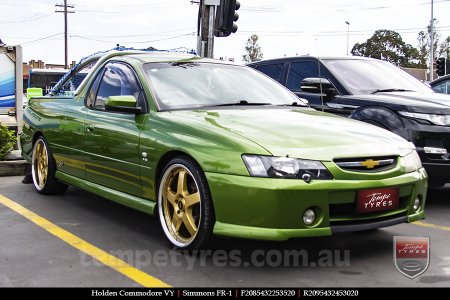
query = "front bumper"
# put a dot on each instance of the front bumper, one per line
(272, 209)
(422, 135)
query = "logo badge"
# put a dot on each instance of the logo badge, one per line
(377, 200)
(370, 163)
(411, 255)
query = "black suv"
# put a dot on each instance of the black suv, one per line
(375, 92)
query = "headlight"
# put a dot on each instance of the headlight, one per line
(442, 120)
(411, 162)
(285, 167)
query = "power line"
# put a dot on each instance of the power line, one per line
(66, 11)
(134, 42)
(334, 32)
(337, 8)
(157, 4)
(42, 38)
(161, 33)
(24, 19)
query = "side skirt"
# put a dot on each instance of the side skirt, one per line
(140, 204)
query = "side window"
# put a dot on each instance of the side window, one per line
(73, 80)
(273, 71)
(443, 87)
(118, 80)
(92, 93)
(299, 71)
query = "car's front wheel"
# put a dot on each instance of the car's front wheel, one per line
(43, 169)
(184, 204)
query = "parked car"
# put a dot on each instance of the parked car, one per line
(375, 92)
(441, 85)
(217, 148)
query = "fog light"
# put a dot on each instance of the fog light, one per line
(309, 217)
(416, 204)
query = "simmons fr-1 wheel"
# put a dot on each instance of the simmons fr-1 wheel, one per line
(43, 170)
(184, 202)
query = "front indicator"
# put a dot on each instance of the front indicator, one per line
(411, 162)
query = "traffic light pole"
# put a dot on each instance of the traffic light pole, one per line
(215, 18)
(205, 41)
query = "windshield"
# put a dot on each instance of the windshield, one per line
(371, 76)
(187, 85)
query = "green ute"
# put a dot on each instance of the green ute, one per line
(214, 148)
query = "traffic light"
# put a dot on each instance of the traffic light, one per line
(226, 15)
(440, 66)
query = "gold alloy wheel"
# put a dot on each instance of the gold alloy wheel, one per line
(180, 205)
(40, 165)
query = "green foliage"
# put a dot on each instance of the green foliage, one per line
(7, 141)
(424, 39)
(388, 45)
(444, 50)
(252, 50)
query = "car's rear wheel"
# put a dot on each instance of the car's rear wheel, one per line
(184, 204)
(43, 170)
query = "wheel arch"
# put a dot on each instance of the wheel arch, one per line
(383, 117)
(165, 158)
(36, 135)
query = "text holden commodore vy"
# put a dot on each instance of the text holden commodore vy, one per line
(216, 148)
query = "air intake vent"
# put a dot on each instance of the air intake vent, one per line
(373, 164)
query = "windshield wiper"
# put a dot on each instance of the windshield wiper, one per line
(241, 103)
(293, 104)
(389, 91)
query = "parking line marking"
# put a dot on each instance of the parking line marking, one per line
(119, 265)
(429, 225)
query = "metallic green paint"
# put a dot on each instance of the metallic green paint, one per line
(118, 155)
(118, 101)
(274, 203)
(136, 203)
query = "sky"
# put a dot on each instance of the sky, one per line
(285, 28)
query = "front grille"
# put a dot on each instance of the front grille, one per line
(368, 224)
(367, 164)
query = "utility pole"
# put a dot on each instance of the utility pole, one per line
(431, 43)
(64, 9)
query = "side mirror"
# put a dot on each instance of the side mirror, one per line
(313, 85)
(125, 103)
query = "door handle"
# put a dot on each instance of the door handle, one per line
(89, 128)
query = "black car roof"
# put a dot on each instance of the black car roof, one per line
(303, 57)
(440, 79)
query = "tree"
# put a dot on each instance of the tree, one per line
(444, 49)
(388, 45)
(252, 50)
(424, 39)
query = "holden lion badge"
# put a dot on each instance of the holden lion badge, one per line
(411, 255)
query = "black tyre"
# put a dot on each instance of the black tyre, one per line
(43, 169)
(185, 208)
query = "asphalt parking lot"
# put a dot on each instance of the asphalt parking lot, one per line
(51, 241)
